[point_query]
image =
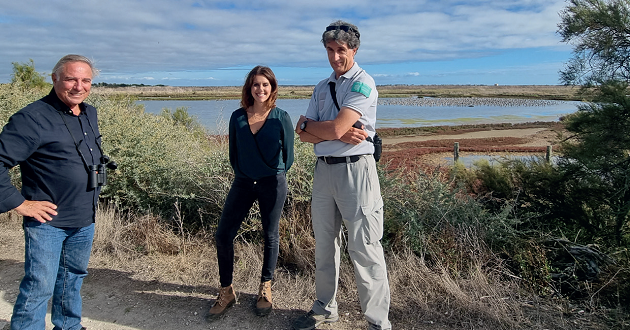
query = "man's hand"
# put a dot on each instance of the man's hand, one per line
(304, 135)
(299, 123)
(40, 210)
(354, 136)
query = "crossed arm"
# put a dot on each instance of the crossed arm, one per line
(341, 128)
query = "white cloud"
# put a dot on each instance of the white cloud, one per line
(141, 36)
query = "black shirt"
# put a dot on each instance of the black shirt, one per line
(269, 152)
(43, 144)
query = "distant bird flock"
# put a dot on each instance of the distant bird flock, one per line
(466, 102)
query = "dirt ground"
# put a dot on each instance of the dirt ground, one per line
(121, 299)
(137, 299)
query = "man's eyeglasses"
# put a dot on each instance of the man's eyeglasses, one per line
(345, 28)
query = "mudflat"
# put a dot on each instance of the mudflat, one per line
(436, 148)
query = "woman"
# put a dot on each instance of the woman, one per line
(261, 152)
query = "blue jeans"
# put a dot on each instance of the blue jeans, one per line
(56, 261)
(271, 192)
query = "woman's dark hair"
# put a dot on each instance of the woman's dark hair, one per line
(247, 99)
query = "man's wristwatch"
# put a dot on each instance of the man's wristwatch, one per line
(303, 125)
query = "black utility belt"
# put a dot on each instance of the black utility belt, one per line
(338, 160)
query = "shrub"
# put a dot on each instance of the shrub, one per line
(163, 166)
(420, 214)
(25, 74)
(16, 96)
(537, 190)
(595, 164)
(181, 117)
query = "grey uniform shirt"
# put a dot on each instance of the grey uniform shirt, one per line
(355, 90)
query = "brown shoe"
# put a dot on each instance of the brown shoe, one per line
(226, 299)
(264, 303)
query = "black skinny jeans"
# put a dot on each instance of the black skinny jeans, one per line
(271, 192)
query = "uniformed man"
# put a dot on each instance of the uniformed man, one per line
(340, 122)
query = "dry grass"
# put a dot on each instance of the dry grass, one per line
(424, 295)
(460, 285)
(546, 92)
(470, 291)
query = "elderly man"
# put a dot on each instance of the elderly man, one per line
(340, 118)
(56, 142)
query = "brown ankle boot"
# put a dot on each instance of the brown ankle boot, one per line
(226, 299)
(264, 303)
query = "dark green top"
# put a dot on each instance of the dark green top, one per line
(268, 152)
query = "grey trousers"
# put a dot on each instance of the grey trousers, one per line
(350, 193)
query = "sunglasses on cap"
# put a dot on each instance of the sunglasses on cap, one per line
(345, 28)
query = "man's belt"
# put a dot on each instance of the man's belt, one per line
(337, 160)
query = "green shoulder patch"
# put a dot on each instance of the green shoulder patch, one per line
(362, 88)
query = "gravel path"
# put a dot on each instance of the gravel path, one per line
(519, 133)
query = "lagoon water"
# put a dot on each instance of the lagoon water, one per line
(214, 115)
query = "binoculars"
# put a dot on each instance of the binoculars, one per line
(377, 142)
(97, 174)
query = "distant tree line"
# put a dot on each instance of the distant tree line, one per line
(115, 85)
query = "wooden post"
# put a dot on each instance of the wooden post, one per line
(456, 152)
(548, 155)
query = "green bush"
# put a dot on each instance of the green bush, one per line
(421, 212)
(25, 74)
(543, 198)
(596, 162)
(164, 167)
(181, 117)
(16, 96)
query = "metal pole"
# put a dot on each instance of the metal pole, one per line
(456, 152)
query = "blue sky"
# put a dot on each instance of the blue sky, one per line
(215, 43)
